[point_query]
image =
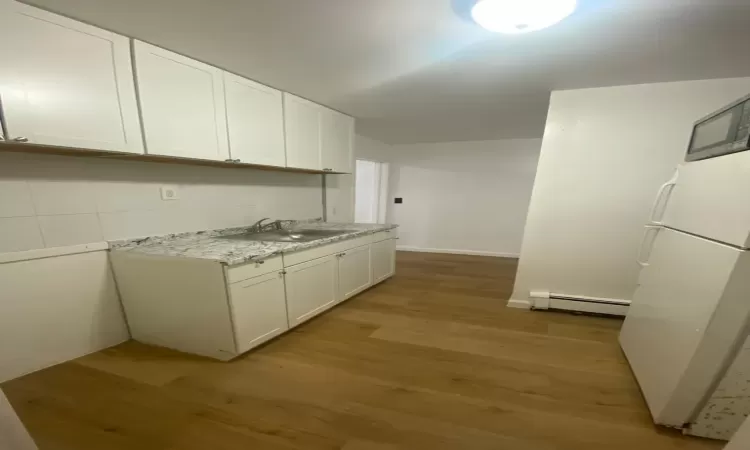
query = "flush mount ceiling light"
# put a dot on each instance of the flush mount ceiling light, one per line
(520, 16)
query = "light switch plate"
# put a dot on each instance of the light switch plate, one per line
(169, 193)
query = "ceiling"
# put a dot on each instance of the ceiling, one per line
(419, 71)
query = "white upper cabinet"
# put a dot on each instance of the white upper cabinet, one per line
(255, 121)
(182, 104)
(302, 128)
(336, 137)
(64, 83)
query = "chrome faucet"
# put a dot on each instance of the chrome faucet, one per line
(258, 226)
(277, 225)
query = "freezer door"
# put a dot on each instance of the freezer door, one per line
(683, 322)
(710, 199)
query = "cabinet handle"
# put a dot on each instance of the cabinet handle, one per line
(21, 139)
(236, 160)
(228, 160)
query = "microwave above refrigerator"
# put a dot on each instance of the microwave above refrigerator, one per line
(722, 132)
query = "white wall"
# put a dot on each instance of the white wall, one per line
(605, 153)
(56, 309)
(463, 197)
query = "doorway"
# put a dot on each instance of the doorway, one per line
(370, 191)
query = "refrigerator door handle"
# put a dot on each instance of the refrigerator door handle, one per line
(669, 184)
(646, 231)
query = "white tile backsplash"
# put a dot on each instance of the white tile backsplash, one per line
(63, 197)
(79, 200)
(137, 223)
(15, 199)
(72, 229)
(19, 233)
(113, 196)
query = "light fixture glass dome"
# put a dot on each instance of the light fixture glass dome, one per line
(520, 16)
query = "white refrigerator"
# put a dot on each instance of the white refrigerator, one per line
(690, 315)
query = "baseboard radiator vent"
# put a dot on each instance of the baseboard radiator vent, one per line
(543, 300)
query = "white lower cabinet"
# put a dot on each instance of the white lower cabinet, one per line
(203, 307)
(355, 273)
(383, 260)
(310, 288)
(258, 310)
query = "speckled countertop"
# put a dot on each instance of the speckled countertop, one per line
(210, 245)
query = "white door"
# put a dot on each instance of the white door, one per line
(302, 128)
(182, 104)
(255, 120)
(383, 260)
(258, 310)
(370, 191)
(336, 135)
(682, 322)
(310, 288)
(709, 199)
(355, 272)
(65, 83)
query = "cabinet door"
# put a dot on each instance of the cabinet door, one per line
(336, 134)
(258, 310)
(355, 272)
(383, 260)
(182, 104)
(65, 83)
(255, 121)
(302, 128)
(310, 289)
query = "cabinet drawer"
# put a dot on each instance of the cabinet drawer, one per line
(383, 235)
(253, 269)
(291, 259)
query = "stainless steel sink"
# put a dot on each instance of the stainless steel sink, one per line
(287, 235)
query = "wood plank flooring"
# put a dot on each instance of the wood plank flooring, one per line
(430, 359)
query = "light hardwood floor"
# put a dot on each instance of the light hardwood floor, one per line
(431, 359)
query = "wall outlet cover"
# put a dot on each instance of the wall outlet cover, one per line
(169, 193)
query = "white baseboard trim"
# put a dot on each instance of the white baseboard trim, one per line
(456, 252)
(520, 304)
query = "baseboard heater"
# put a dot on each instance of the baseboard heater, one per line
(543, 300)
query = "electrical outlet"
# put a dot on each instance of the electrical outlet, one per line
(169, 193)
